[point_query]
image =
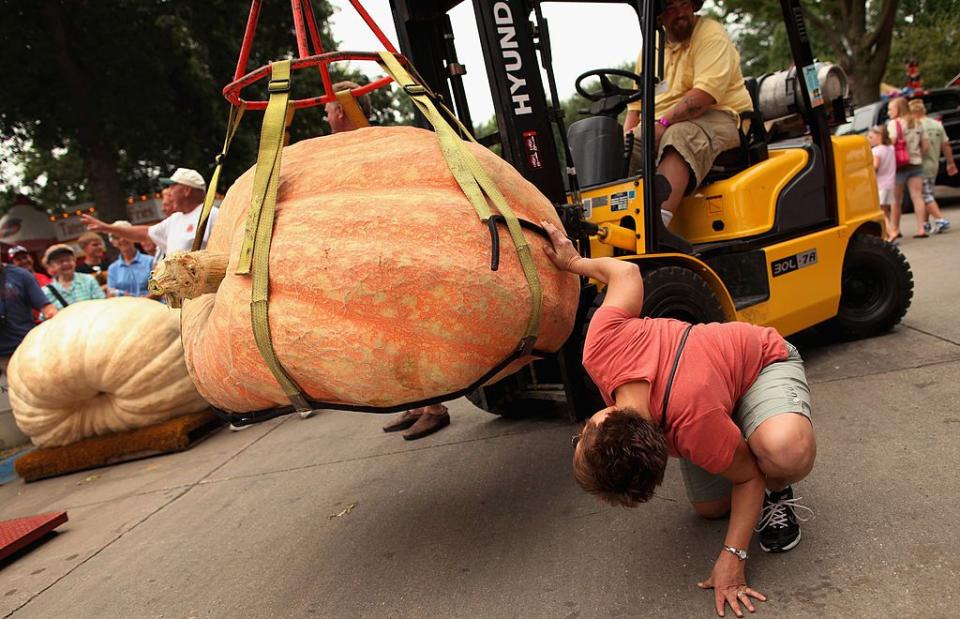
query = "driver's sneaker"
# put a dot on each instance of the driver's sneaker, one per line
(779, 525)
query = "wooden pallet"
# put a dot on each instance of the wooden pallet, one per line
(168, 436)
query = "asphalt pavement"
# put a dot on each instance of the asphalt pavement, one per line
(331, 517)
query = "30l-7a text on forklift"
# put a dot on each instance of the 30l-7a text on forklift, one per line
(785, 234)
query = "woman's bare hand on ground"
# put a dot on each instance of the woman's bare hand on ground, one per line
(562, 252)
(729, 583)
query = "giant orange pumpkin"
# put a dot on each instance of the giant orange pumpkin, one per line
(381, 291)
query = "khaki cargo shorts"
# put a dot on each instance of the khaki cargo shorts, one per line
(780, 388)
(698, 141)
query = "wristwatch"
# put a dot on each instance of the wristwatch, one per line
(738, 553)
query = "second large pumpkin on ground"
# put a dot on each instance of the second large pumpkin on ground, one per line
(381, 291)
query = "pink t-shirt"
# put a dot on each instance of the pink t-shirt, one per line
(887, 168)
(719, 363)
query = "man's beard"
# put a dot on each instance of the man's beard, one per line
(682, 30)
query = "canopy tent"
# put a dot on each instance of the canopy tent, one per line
(26, 225)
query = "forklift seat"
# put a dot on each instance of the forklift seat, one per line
(753, 141)
(596, 143)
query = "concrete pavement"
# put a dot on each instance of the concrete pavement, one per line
(331, 517)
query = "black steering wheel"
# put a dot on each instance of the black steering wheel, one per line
(608, 88)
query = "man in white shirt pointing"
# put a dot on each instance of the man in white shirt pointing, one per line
(184, 196)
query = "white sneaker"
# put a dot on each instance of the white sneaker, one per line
(307, 414)
(932, 228)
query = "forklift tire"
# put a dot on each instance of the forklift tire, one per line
(676, 292)
(672, 292)
(876, 287)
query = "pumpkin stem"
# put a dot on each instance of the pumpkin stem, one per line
(188, 275)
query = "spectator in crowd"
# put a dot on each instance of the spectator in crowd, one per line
(129, 274)
(22, 258)
(95, 261)
(68, 286)
(417, 422)
(885, 164)
(904, 129)
(184, 197)
(19, 294)
(937, 137)
(149, 248)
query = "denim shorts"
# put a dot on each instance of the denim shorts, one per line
(907, 172)
(780, 388)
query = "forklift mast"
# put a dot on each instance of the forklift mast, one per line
(510, 43)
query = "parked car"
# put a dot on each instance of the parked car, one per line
(941, 103)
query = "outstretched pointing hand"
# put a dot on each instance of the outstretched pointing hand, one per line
(94, 224)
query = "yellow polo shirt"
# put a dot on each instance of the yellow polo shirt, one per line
(709, 62)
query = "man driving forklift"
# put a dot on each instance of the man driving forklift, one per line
(698, 104)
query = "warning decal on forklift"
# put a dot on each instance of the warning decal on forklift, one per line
(794, 262)
(618, 201)
(587, 208)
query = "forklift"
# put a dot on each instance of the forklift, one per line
(786, 234)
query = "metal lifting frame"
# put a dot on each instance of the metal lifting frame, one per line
(310, 52)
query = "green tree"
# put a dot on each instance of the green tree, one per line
(857, 34)
(925, 30)
(131, 88)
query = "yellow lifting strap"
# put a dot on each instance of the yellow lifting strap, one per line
(352, 109)
(233, 121)
(255, 251)
(471, 177)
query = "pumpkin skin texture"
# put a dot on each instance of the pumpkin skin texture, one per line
(381, 291)
(99, 367)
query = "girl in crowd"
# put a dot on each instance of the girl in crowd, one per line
(903, 129)
(884, 162)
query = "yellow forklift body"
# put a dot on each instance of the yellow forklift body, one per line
(740, 206)
(803, 272)
(857, 197)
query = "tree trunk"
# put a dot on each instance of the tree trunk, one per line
(862, 53)
(864, 77)
(99, 155)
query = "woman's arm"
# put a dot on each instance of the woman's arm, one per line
(623, 279)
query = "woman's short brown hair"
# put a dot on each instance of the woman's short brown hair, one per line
(622, 459)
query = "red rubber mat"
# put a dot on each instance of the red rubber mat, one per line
(21, 532)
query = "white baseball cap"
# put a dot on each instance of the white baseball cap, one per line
(185, 176)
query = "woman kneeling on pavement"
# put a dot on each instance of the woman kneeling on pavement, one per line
(730, 399)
